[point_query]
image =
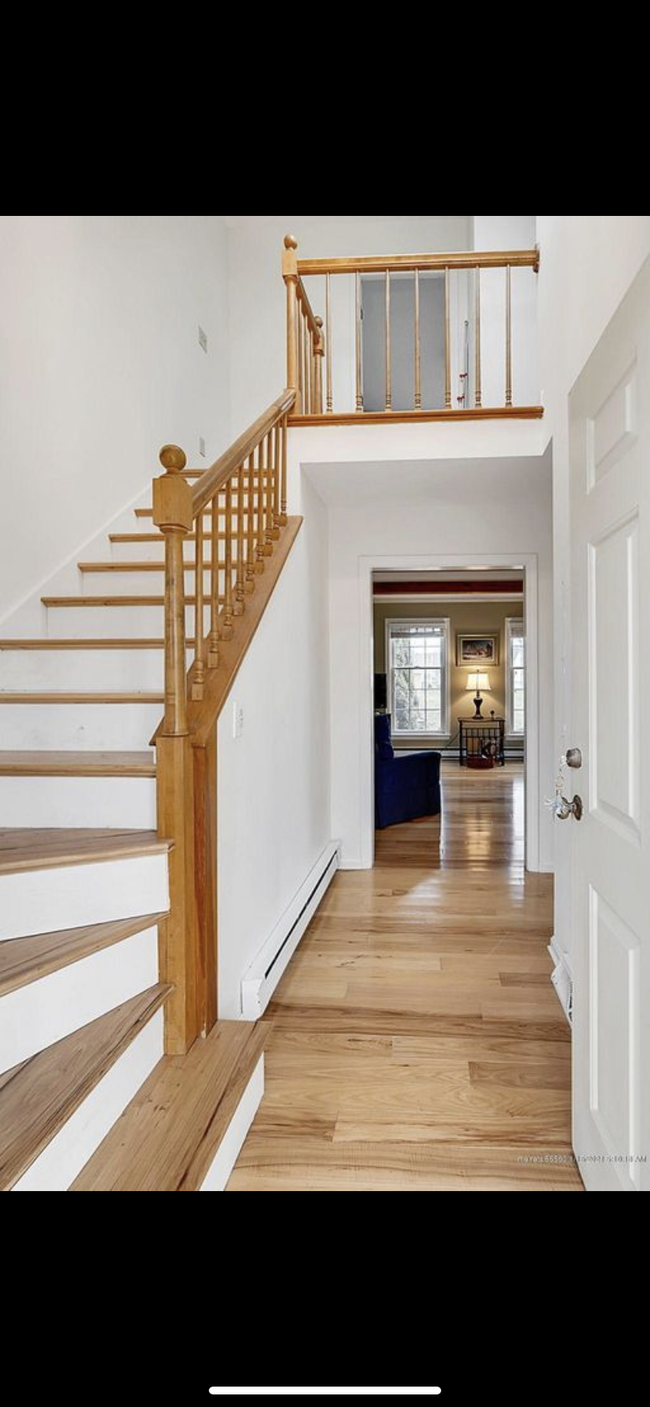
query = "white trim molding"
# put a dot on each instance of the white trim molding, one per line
(562, 979)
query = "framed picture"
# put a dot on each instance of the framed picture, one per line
(477, 649)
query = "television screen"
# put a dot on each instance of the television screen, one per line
(381, 698)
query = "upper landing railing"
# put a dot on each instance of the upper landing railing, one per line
(409, 339)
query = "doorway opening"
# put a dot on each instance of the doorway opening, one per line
(449, 708)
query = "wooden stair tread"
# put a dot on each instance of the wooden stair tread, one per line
(77, 764)
(55, 696)
(27, 848)
(95, 642)
(25, 960)
(39, 1096)
(168, 1135)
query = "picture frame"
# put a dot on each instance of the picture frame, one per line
(477, 648)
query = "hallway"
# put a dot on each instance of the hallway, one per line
(417, 1042)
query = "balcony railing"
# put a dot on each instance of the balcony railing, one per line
(403, 337)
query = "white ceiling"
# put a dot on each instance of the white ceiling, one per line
(234, 220)
(422, 482)
(484, 577)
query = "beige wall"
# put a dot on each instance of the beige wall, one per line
(469, 616)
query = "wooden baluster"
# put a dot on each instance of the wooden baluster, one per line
(226, 623)
(268, 497)
(259, 545)
(249, 584)
(172, 513)
(389, 395)
(213, 639)
(477, 337)
(290, 276)
(198, 673)
(320, 353)
(275, 495)
(239, 604)
(301, 358)
(283, 486)
(357, 341)
(418, 393)
(508, 339)
(306, 344)
(312, 343)
(328, 344)
(447, 344)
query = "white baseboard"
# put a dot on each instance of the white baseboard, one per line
(264, 973)
(562, 979)
(231, 1143)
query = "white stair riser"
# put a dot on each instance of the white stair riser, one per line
(136, 583)
(78, 726)
(45, 1011)
(71, 670)
(61, 1162)
(71, 896)
(120, 802)
(114, 622)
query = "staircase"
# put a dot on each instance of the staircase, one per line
(114, 1073)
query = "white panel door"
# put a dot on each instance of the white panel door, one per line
(610, 535)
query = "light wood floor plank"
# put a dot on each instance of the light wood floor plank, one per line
(417, 1043)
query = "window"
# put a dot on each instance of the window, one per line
(416, 652)
(516, 666)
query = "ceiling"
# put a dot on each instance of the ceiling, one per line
(234, 220)
(421, 482)
(482, 577)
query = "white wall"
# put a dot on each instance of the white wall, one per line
(274, 780)
(507, 232)
(468, 510)
(587, 264)
(99, 365)
(258, 304)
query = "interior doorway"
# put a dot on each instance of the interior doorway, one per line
(444, 633)
(449, 651)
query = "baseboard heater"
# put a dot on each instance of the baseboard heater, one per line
(264, 973)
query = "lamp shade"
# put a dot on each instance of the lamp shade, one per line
(479, 680)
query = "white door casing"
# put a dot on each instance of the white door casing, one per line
(609, 413)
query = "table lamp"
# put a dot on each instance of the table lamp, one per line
(478, 680)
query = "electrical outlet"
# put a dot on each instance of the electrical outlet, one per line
(237, 720)
(203, 339)
(202, 446)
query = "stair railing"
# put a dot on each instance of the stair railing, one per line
(234, 514)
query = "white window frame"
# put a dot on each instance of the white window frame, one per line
(515, 628)
(400, 622)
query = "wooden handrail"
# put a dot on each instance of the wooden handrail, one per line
(408, 263)
(239, 511)
(217, 476)
(309, 311)
(309, 345)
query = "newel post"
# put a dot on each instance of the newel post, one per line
(180, 961)
(290, 276)
(172, 513)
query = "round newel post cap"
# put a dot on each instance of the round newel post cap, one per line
(319, 322)
(290, 242)
(172, 458)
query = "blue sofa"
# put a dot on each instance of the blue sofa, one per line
(406, 786)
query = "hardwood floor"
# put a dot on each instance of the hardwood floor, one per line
(417, 1042)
